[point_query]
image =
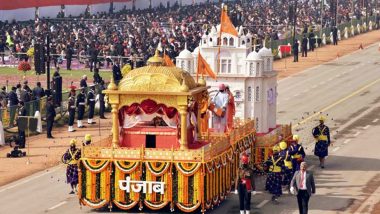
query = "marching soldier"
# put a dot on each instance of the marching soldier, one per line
(80, 103)
(21, 134)
(274, 179)
(245, 185)
(71, 107)
(297, 152)
(91, 104)
(288, 165)
(321, 134)
(71, 157)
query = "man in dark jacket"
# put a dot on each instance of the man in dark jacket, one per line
(335, 35)
(69, 56)
(117, 76)
(80, 103)
(12, 104)
(2, 50)
(295, 51)
(312, 40)
(91, 104)
(101, 100)
(38, 92)
(21, 134)
(304, 46)
(93, 52)
(50, 115)
(83, 82)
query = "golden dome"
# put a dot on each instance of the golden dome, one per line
(157, 79)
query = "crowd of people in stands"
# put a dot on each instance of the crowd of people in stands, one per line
(137, 33)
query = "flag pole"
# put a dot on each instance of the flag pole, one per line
(220, 40)
(199, 53)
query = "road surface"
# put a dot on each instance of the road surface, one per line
(346, 90)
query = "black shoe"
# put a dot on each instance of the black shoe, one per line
(103, 118)
(50, 137)
(91, 123)
(72, 192)
(73, 131)
(81, 127)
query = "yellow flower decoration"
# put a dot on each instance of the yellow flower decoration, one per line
(30, 52)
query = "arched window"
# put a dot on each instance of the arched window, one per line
(182, 64)
(225, 41)
(231, 42)
(204, 41)
(243, 42)
(268, 64)
(210, 39)
(257, 94)
(251, 69)
(249, 93)
(248, 41)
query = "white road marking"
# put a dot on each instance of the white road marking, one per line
(366, 127)
(311, 167)
(375, 120)
(369, 202)
(336, 149)
(29, 179)
(58, 205)
(346, 141)
(262, 203)
(356, 134)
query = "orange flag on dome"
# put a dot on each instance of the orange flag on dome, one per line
(204, 68)
(226, 25)
(168, 61)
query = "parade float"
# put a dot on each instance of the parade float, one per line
(164, 152)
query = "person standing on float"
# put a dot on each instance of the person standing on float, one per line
(220, 100)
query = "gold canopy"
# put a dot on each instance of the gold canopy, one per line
(157, 79)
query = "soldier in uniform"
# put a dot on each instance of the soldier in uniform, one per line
(102, 104)
(274, 180)
(288, 165)
(71, 108)
(321, 134)
(71, 157)
(297, 152)
(50, 115)
(21, 134)
(80, 103)
(91, 104)
(245, 185)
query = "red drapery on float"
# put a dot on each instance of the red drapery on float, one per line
(146, 107)
(17, 4)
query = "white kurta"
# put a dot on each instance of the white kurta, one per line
(39, 123)
(220, 100)
(2, 138)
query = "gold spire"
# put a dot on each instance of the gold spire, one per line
(155, 60)
(112, 85)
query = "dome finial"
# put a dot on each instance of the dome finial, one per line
(155, 60)
(112, 86)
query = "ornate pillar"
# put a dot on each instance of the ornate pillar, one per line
(183, 113)
(115, 126)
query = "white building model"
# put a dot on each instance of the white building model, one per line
(248, 74)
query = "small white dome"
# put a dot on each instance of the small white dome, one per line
(265, 52)
(196, 52)
(253, 56)
(185, 54)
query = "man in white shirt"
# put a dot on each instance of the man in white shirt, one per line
(220, 100)
(303, 185)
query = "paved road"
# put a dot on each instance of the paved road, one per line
(345, 89)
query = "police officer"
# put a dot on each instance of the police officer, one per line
(245, 185)
(297, 152)
(21, 134)
(311, 40)
(335, 35)
(80, 103)
(50, 115)
(83, 82)
(102, 104)
(91, 104)
(71, 107)
(321, 134)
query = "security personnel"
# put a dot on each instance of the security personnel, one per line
(245, 185)
(87, 140)
(91, 104)
(71, 157)
(297, 152)
(295, 51)
(12, 105)
(304, 46)
(71, 107)
(50, 115)
(288, 165)
(321, 134)
(102, 104)
(21, 134)
(80, 103)
(274, 179)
